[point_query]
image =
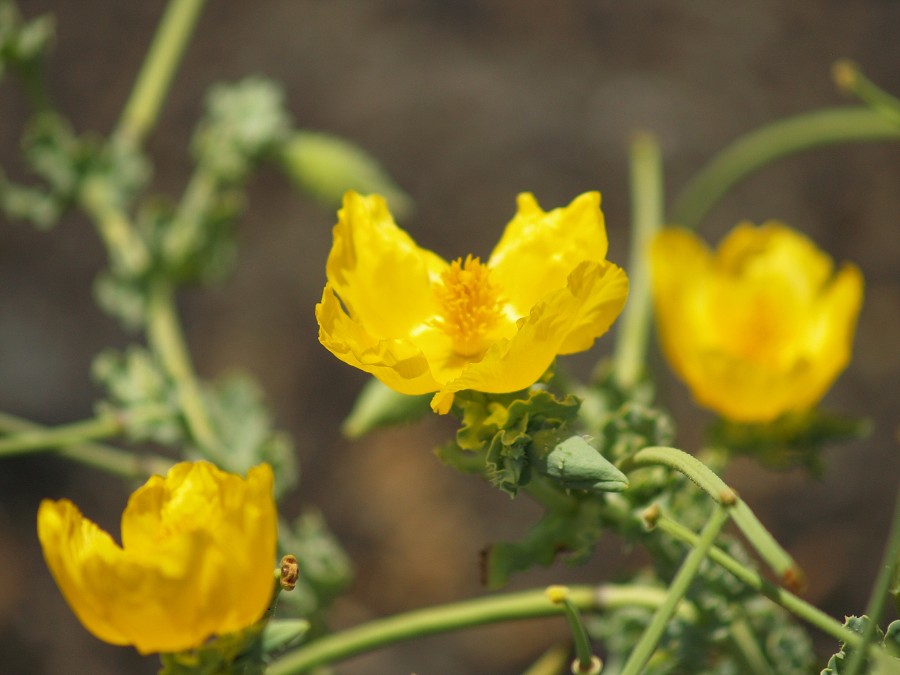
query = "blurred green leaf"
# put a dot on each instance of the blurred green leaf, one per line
(379, 406)
(140, 393)
(326, 166)
(243, 425)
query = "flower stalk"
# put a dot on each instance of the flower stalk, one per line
(104, 457)
(33, 440)
(679, 586)
(467, 614)
(785, 598)
(646, 219)
(168, 46)
(165, 337)
(770, 143)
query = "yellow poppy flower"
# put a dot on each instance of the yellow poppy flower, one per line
(420, 324)
(196, 560)
(760, 328)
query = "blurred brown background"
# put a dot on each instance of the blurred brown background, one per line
(466, 102)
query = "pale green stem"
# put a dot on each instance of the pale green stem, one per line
(128, 253)
(159, 68)
(748, 648)
(68, 434)
(879, 591)
(769, 143)
(646, 219)
(785, 598)
(103, 457)
(165, 338)
(584, 655)
(761, 539)
(677, 589)
(848, 77)
(420, 623)
(552, 662)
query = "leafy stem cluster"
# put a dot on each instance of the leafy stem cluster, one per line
(598, 457)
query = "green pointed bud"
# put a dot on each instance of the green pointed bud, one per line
(281, 633)
(577, 465)
(326, 166)
(379, 406)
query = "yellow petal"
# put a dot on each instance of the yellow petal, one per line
(381, 276)
(758, 329)
(197, 560)
(538, 250)
(398, 363)
(567, 319)
(73, 547)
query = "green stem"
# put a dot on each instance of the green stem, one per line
(159, 67)
(551, 662)
(848, 77)
(748, 648)
(769, 143)
(761, 539)
(879, 591)
(684, 463)
(677, 589)
(165, 338)
(67, 434)
(768, 547)
(785, 598)
(466, 614)
(127, 252)
(103, 457)
(647, 217)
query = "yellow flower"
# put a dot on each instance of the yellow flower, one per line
(420, 324)
(197, 559)
(760, 328)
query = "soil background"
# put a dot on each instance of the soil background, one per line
(466, 103)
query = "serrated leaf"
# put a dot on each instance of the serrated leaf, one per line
(140, 394)
(243, 426)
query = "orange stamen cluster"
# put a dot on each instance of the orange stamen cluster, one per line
(470, 305)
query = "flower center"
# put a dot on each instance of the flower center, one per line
(470, 305)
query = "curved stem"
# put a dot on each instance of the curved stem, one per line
(103, 457)
(679, 586)
(785, 598)
(771, 142)
(647, 218)
(848, 77)
(467, 614)
(684, 463)
(159, 67)
(66, 434)
(164, 336)
(761, 539)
